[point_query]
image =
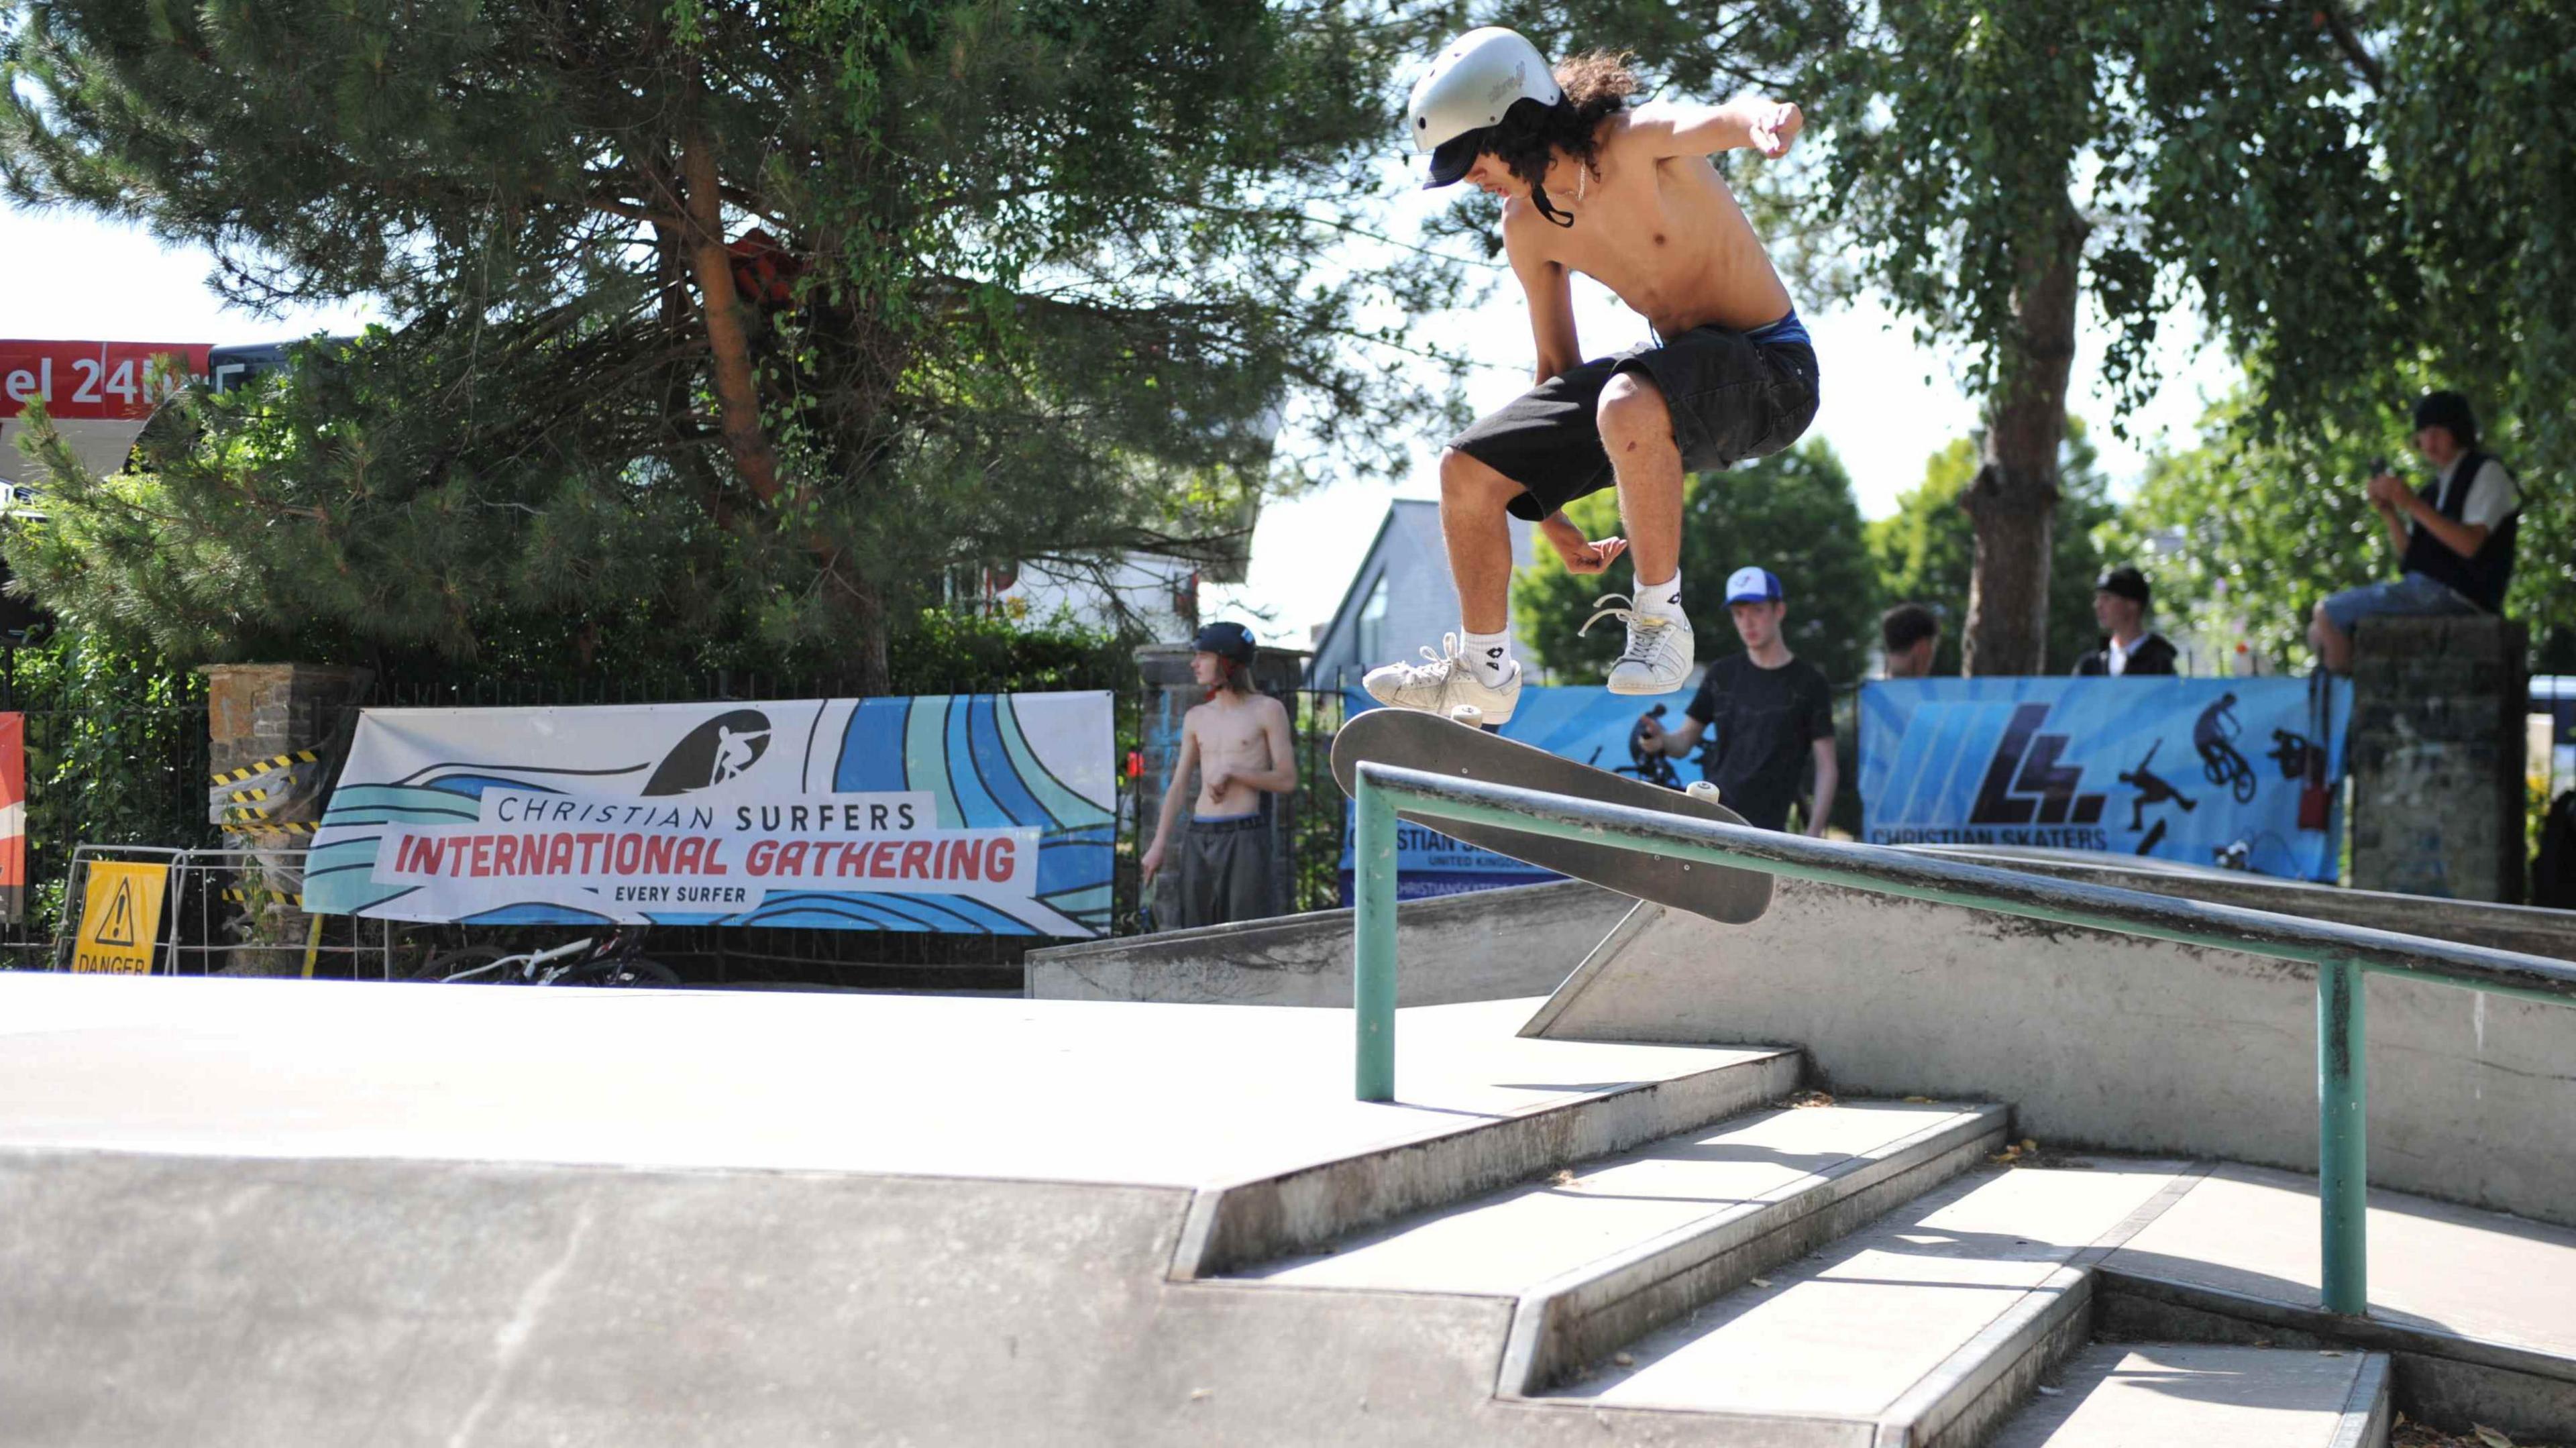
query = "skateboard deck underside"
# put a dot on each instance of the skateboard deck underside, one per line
(1409, 739)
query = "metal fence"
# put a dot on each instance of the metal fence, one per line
(100, 769)
(121, 782)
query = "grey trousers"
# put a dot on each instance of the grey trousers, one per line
(1226, 873)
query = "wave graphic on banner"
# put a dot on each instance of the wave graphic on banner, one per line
(1013, 767)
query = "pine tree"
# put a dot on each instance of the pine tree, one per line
(711, 323)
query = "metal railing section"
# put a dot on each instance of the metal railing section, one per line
(2339, 952)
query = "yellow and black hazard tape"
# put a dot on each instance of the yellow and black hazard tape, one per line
(242, 897)
(247, 796)
(290, 827)
(236, 776)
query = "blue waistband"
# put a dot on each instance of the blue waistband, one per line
(1787, 329)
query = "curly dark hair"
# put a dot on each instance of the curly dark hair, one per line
(1597, 85)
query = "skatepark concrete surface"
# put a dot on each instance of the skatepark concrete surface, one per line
(287, 1213)
(889, 1085)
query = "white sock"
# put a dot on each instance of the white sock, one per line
(1660, 600)
(1491, 654)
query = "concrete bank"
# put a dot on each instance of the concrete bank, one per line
(1491, 945)
(2103, 1039)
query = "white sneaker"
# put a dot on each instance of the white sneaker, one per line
(1658, 657)
(1446, 680)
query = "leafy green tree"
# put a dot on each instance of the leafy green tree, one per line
(714, 328)
(1925, 552)
(2258, 530)
(1791, 513)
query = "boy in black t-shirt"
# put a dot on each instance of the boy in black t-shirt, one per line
(1771, 713)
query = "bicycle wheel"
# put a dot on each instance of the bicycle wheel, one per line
(631, 971)
(447, 964)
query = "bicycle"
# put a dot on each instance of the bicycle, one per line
(589, 961)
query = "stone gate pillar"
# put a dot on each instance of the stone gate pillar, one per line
(2437, 756)
(273, 734)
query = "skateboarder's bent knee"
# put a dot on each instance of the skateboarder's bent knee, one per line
(1470, 482)
(1632, 416)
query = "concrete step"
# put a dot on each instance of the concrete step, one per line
(2149, 1395)
(1234, 1225)
(1924, 1328)
(1604, 1253)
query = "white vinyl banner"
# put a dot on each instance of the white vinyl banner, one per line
(980, 814)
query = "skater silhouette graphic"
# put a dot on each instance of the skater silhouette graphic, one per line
(2153, 789)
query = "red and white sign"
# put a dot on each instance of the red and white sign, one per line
(13, 817)
(96, 380)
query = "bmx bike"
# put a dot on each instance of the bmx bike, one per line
(615, 960)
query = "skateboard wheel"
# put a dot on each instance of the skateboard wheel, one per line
(1702, 789)
(1467, 714)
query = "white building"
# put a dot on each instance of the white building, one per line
(1400, 599)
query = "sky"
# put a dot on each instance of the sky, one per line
(1887, 404)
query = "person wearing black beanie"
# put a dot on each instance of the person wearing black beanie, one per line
(2455, 538)
(2129, 648)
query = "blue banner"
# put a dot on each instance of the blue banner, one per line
(1590, 725)
(2205, 771)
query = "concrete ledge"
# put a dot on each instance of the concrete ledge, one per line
(2525, 928)
(1251, 1221)
(1490, 945)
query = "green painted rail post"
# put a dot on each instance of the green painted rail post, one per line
(1373, 945)
(2343, 1139)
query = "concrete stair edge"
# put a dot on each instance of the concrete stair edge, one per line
(2183, 1393)
(2374, 1334)
(1239, 1223)
(1961, 1401)
(1584, 1315)
(2370, 1413)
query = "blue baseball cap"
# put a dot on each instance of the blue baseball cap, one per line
(1752, 585)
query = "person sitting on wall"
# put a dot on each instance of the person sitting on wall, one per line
(2121, 602)
(2454, 539)
(1909, 635)
(1237, 743)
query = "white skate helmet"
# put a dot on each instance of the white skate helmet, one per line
(1468, 89)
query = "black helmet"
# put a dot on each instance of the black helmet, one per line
(1226, 641)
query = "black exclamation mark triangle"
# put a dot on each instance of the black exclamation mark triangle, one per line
(118, 927)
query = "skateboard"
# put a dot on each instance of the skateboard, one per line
(1411, 739)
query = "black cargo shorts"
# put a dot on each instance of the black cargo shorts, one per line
(1732, 395)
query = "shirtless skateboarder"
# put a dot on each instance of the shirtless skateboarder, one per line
(1624, 194)
(1237, 743)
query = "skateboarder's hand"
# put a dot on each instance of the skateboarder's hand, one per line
(1775, 127)
(1217, 779)
(1650, 733)
(1152, 864)
(1582, 556)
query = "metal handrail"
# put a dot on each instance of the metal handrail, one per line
(2339, 952)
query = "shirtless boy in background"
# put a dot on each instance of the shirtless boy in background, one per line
(1238, 743)
(1625, 195)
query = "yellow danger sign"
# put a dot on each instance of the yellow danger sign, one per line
(120, 918)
